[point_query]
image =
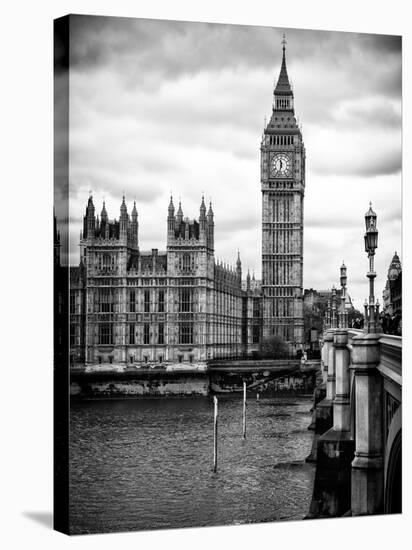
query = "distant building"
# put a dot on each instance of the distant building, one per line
(129, 306)
(392, 293)
(315, 299)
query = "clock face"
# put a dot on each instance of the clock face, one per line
(280, 165)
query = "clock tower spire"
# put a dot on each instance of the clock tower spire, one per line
(283, 186)
(283, 93)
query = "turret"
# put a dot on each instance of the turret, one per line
(248, 280)
(238, 266)
(104, 222)
(210, 228)
(179, 215)
(123, 220)
(202, 219)
(89, 219)
(170, 221)
(135, 225)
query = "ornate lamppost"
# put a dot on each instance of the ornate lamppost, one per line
(343, 322)
(372, 324)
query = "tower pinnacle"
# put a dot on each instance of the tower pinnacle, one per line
(283, 94)
(283, 84)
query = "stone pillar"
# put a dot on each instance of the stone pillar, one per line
(324, 361)
(330, 384)
(341, 402)
(335, 448)
(367, 466)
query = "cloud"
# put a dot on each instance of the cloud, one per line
(166, 106)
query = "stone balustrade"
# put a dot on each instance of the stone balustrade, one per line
(357, 425)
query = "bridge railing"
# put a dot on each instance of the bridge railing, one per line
(363, 376)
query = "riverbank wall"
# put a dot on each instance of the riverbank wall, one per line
(260, 377)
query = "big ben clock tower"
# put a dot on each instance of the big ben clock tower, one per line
(283, 186)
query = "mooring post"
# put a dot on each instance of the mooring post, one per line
(244, 410)
(215, 435)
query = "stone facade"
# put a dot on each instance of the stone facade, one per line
(283, 186)
(132, 307)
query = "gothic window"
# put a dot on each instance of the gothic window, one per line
(161, 333)
(106, 301)
(185, 300)
(106, 333)
(147, 301)
(256, 308)
(186, 262)
(132, 329)
(132, 301)
(161, 301)
(72, 303)
(146, 334)
(186, 333)
(106, 262)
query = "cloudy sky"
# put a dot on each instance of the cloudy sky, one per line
(160, 106)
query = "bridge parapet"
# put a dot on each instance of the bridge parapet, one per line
(364, 385)
(390, 365)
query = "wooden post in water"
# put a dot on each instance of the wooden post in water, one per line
(244, 410)
(215, 436)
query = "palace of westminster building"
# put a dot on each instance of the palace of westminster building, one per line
(129, 306)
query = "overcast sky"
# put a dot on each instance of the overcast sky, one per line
(162, 106)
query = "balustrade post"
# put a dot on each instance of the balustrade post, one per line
(367, 466)
(324, 358)
(330, 381)
(341, 402)
(332, 488)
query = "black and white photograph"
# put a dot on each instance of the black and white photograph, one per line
(228, 274)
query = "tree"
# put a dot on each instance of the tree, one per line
(274, 347)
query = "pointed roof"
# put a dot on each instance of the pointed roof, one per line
(283, 86)
(370, 212)
(90, 206)
(238, 262)
(203, 207)
(103, 213)
(171, 206)
(180, 211)
(134, 211)
(210, 211)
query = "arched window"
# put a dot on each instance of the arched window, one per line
(186, 262)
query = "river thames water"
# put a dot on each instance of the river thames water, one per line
(147, 463)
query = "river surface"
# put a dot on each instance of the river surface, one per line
(147, 463)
